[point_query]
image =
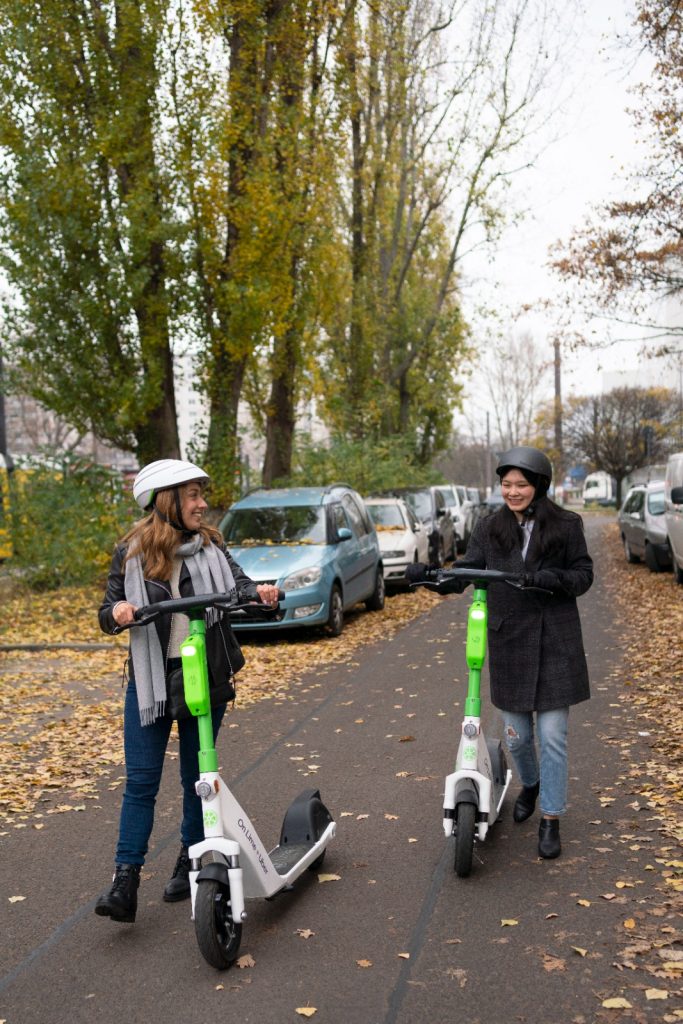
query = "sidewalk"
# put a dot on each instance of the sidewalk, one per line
(397, 937)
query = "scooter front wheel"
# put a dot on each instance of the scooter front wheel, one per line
(464, 839)
(218, 935)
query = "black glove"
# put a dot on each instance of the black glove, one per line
(416, 572)
(546, 579)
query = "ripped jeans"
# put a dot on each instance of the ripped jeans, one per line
(551, 768)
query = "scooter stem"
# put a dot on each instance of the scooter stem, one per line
(196, 685)
(476, 650)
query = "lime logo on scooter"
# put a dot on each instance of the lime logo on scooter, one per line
(250, 839)
(469, 754)
(210, 819)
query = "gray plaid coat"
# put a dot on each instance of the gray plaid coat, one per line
(536, 655)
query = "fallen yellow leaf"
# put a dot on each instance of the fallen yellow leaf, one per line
(16, 899)
(306, 1011)
(404, 956)
(364, 963)
(616, 1004)
(245, 961)
(656, 993)
(329, 878)
(629, 923)
(508, 922)
(584, 903)
(579, 950)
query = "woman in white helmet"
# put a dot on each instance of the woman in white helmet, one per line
(170, 552)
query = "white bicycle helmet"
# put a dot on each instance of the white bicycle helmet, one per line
(162, 476)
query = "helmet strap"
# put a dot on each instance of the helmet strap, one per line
(177, 525)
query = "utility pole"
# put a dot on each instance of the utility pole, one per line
(559, 443)
(489, 469)
(4, 451)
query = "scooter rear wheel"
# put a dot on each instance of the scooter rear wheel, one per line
(464, 839)
(218, 935)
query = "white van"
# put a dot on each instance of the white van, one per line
(600, 488)
(673, 510)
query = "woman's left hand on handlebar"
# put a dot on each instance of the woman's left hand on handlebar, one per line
(268, 594)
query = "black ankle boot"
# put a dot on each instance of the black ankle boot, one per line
(121, 902)
(178, 887)
(549, 845)
(525, 803)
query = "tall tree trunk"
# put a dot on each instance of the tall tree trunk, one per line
(281, 413)
(157, 437)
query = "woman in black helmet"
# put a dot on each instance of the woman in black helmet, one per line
(536, 659)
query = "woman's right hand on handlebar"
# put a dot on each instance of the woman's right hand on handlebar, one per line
(124, 613)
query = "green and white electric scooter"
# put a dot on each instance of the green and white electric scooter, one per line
(475, 791)
(231, 864)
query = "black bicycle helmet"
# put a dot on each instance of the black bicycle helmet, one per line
(525, 457)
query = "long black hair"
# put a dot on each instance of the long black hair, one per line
(550, 520)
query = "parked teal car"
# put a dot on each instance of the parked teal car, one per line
(318, 544)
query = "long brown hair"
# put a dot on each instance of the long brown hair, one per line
(156, 541)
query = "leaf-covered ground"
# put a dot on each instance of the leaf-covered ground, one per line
(57, 708)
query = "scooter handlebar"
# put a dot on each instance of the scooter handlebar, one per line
(199, 603)
(455, 580)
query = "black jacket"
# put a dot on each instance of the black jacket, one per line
(223, 651)
(536, 655)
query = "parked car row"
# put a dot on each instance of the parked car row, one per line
(651, 521)
(329, 549)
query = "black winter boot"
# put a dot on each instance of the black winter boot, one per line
(525, 803)
(178, 887)
(549, 845)
(121, 902)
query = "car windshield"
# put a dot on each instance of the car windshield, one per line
(448, 495)
(420, 502)
(289, 524)
(386, 517)
(655, 503)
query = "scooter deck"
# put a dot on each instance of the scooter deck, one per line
(285, 857)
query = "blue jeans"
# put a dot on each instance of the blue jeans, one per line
(145, 749)
(552, 770)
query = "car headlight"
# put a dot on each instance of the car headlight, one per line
(303, 578)
(393, 554)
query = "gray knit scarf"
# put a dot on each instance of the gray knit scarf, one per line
(210, 573)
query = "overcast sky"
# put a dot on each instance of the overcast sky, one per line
(596, 142)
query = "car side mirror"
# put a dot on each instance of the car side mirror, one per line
(418, 528)
(677, 495)
(440, 512)
(343, 533)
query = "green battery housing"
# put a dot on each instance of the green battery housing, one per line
(476, 631)
(195, 674)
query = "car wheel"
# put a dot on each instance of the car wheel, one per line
(375, 602)
(630, 557)
(335, 618)
(651, 559)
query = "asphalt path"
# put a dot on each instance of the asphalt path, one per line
(397, 937)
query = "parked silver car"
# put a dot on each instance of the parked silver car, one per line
(402, 539)
(643, 527)
(460, 508)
